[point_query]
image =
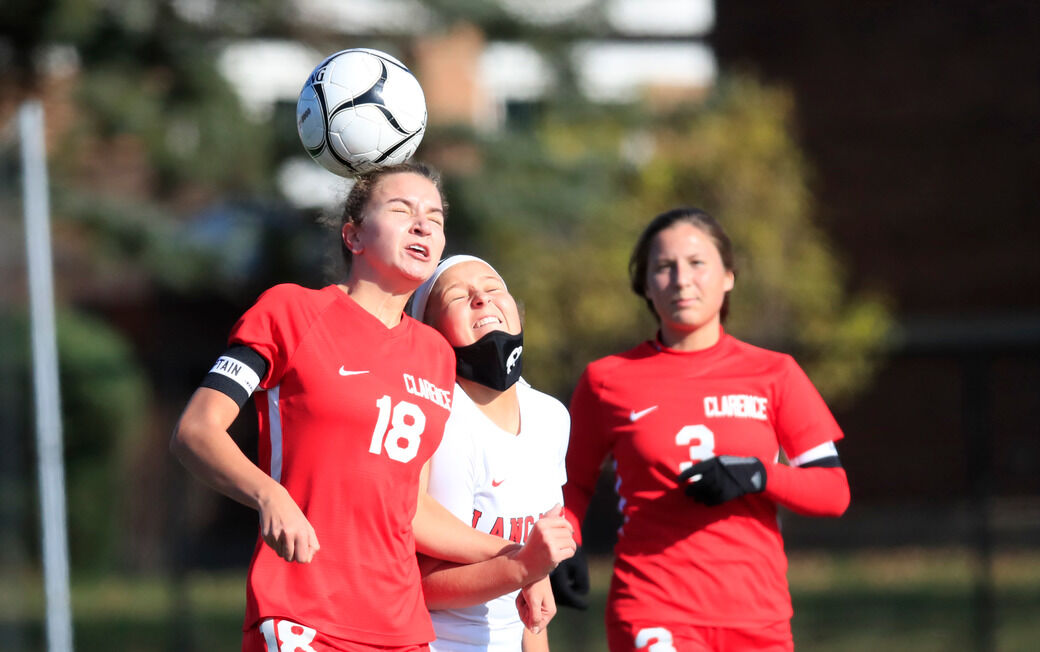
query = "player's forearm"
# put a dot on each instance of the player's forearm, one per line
(535, 642)
(575, 503)
(439, 534)
(810, 491)
(454, 586)
(213, 457)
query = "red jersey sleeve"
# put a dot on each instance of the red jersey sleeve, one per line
(803, 420)
(274, 327)
(589, 444)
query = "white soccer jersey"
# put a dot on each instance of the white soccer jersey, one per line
(501, 483)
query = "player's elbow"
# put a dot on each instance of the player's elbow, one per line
(187, 436)
(180, 440)
(841, 503)
(840, 498)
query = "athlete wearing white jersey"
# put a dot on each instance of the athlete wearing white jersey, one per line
(501, 482)
(500, 466)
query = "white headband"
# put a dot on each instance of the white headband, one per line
(422, 293)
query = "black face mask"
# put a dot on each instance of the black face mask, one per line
(493, 360)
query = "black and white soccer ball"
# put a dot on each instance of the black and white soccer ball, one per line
(360, 109)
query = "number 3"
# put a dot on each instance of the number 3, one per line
(659, 639)
(703, 449)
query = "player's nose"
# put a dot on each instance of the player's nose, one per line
(422, 225)
(683, 276)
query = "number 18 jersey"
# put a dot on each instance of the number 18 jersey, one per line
(349, 411)
(657, 411)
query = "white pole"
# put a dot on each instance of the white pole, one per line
(45, 378)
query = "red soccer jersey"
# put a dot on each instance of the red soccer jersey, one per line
(657, 411)
(349, 411)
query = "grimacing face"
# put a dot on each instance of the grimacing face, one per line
(402, 234)
(686, 280)
(470, 300)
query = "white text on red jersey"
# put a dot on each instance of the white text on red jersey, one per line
(742, 406)
(425, 389)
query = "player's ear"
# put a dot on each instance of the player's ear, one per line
(352, 237)
(731, 278)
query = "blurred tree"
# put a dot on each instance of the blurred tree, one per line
(154, 118)
(104, 397)
(161, 179)
(559, 208)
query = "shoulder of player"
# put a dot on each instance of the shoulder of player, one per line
(766, 359)
(541, 402)
(598, 370)
(428, 334)
(294, 298)
(289, 292)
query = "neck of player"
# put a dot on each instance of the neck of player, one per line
(386, 306)
(693, 339)
(503, 408)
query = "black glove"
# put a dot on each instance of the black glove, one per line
(723, 478)
(570, 581)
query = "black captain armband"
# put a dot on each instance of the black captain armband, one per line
(831, 462)
(824, 456)
(237, 373)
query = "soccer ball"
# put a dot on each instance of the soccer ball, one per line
(359, 110)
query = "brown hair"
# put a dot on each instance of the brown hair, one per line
(356, 204)
(640, 259)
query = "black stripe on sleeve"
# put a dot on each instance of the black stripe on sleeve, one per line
(236, 373)
(829, 462)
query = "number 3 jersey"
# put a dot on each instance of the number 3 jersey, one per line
(657, 411)
(349, 411)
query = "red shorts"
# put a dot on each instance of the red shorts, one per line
(279, 635)
(647, 637)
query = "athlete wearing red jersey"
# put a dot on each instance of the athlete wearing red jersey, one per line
(354, 397)
(696, 421)
(346, 423)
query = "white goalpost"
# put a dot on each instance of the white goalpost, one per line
(51, 469)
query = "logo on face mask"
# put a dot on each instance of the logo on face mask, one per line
(486, 361)
(513, 358)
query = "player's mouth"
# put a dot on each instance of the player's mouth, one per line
(484, 321)
(419, 250)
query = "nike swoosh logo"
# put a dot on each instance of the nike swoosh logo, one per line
(344, 372)
(495, 483)
(636, 416)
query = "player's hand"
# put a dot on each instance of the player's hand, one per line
(570, 582)
(536, 605)
(719, 479)
(551, 541)
(285, 528)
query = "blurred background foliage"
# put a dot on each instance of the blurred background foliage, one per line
(169, 220)
(558, 207)
(164, 187)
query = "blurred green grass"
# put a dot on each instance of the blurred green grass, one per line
(908, 599)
